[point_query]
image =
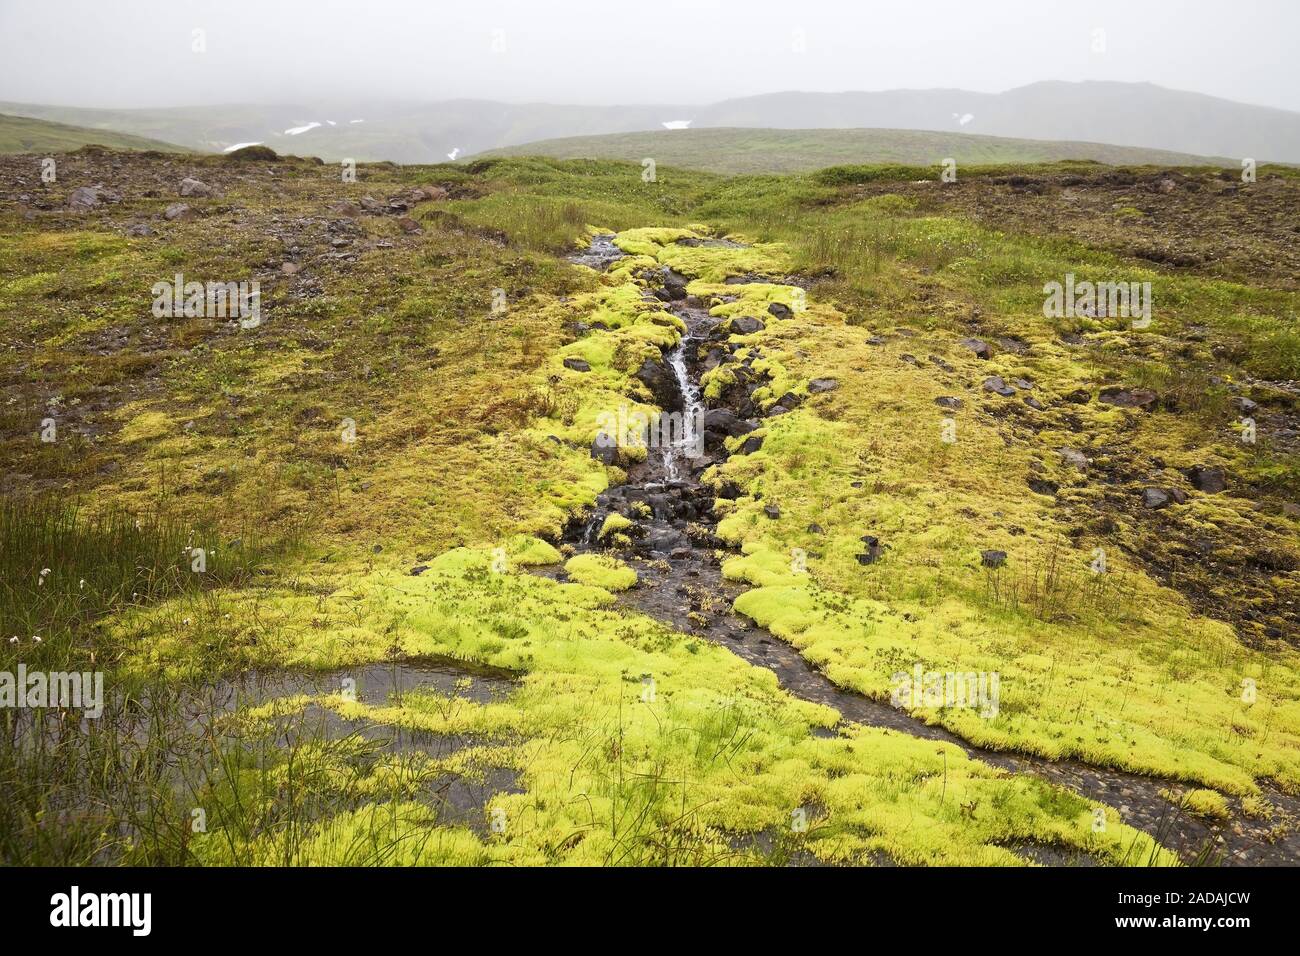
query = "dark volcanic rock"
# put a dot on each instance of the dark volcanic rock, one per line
(746, 325)
(1208, 478)
(604, 449)
(778, 310)
(1155, 498)
(577, 364)
(978, 346)
(993, 559)
(657, 377)
(994, 383)
(1127, 397)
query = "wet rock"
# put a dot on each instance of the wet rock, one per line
(993, 559)
(978, 346)
(674, 284)
(664, 541)
(1155, 498)
(746, 325)
(1211, 479)
(196, 188)
(1074, 458)
(577, 364)
(659, 379)
(948, 402)
(178, 210)
(995, 384)
(819, 385)
(779, 310)
(723, 421)
(1127, 397)
(604, 449)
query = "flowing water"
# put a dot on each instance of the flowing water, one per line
(680, 583)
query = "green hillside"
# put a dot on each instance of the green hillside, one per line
(798, 150)
(21, 134)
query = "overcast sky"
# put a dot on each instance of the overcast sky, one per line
(140, 52)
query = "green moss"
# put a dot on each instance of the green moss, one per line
(600, 571)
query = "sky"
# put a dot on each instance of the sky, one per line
(125, 53)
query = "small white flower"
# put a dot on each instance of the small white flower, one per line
(36, 638)
(13, 640)
(83, 584)
(186, 622)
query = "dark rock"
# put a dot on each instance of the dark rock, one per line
(751, 445)
(1014, 345)
(1080, 396)
(1127, 397)
(873, 549)
(815, 528)
(746, 325)
(139, 229)
(1208, 478)
(605, 449)
(876, 340)
(947, 401)
(978, 346)
(1042, 486)
(723, 421)
(772, 511)
(1155, 498)
(1032, 402)
(409, 225)
(779, 310)
(659, 379)
(941, 363)
(178, 210)
(1243, 404)
(993, 559)
(419, 569)
(910, 359)
(258, 152)
(577, 364)
(84, 197)
(819, 385)
(994, 383)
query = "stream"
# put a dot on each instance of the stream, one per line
(681, 584)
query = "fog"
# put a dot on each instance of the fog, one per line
(115, 53)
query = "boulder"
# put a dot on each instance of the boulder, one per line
(1211, 479)
(746, 325)
(978, 346)
(178, 210)
(659, 379)
(778, 310)
(995, 384)
(948, 402)
(1127, 397)
(84, 197)
(1155, 498)
(993, 559)
(577, 364)
(195, 187)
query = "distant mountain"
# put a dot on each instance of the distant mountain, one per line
(781, 151)
(1121, 114)
(21, 134)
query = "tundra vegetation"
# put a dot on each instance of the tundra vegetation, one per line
(392, 656)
